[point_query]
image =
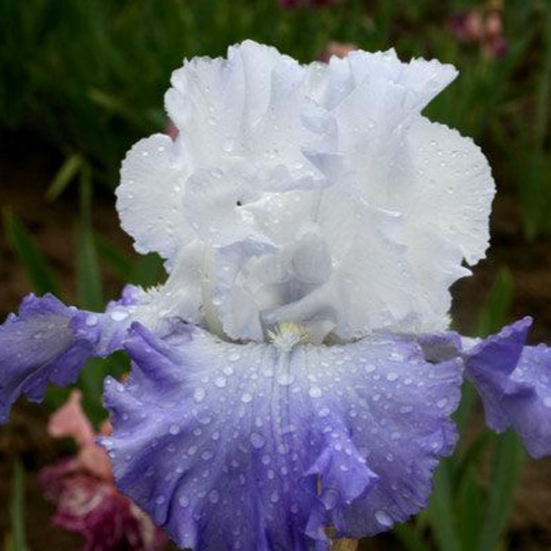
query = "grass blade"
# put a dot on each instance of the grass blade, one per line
(89, 284)
(65, 175)
(496, 309)
(409, 538)
(90, 294)
(442, 510)
(148, 271)
(37, 268)
(508, 462)
(470, 511)
(118, 261)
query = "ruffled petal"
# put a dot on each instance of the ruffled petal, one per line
(514, 382)
(150, 196)
(49, 342)
(246, 106)
(417, 82)
(452, 192)
(39, 346)
(251, 447)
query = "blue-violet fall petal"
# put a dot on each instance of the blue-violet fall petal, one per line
(514, 382)
(256, 448)
(49, 342)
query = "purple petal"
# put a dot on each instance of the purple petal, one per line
(514, 382)
(49, 342)
(250, 447)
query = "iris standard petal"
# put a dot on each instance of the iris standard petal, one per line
(514, 382)
(259, 446)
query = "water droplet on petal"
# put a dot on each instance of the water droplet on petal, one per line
(199, 395)
(246, 398)
(91, 321)
(257, 440)
(220, 382)
(285, 379)
(315, 392)
(119, 315)
(383, 518)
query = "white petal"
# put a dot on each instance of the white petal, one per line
(310, 194)
(149, 198)
(451, 189)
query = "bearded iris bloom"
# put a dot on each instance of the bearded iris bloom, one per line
(296, 370)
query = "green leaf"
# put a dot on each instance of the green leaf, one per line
(148, 270)
(508, 461)
(498, 305)
(470, 511)
(120, 262)
(410, 538)
(90, 294)
(37, 268)
(65, 175)
(442, 510)
(90, 289)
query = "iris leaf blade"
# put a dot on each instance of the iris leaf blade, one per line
(37, 269)
(508, 461)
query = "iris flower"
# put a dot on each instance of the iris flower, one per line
(296, 371)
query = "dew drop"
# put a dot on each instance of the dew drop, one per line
(119, 315)
(315, 392)
(91, 321)
(229, 145)
(246, 398)
(285, 379)
(220, 382)
(383, 518)
(199, 395)
(228, 370)
(257, 440)
(324, 412)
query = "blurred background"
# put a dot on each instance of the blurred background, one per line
(82, 80)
